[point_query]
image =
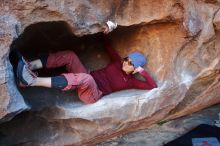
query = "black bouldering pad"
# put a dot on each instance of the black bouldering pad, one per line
(203, 135)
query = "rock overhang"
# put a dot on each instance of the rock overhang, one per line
(187, 56)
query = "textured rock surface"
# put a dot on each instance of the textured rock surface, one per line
(160, 134)
(182, 46)
(11, 100)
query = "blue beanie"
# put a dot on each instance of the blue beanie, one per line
(138, 59)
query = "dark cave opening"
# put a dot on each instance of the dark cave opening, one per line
(48, 37)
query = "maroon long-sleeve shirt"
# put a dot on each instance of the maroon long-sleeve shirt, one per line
(113, 78)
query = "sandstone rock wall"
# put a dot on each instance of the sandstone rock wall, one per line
(179, 37)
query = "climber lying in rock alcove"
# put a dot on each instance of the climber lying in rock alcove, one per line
(90, 86)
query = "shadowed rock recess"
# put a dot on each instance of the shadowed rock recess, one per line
(181, 39)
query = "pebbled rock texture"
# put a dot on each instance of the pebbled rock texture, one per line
(179, 37)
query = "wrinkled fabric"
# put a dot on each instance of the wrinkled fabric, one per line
(77, 76)
(112, 78)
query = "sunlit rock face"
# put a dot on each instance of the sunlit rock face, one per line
(179, 37)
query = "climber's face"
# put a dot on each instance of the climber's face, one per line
(127, 65)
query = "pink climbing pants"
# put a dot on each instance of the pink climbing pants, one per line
(77, 76)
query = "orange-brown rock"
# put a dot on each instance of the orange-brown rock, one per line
(179, 37)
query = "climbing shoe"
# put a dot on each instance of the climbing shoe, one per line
(24, 75)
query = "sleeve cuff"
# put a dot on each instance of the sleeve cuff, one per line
(141, 70)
